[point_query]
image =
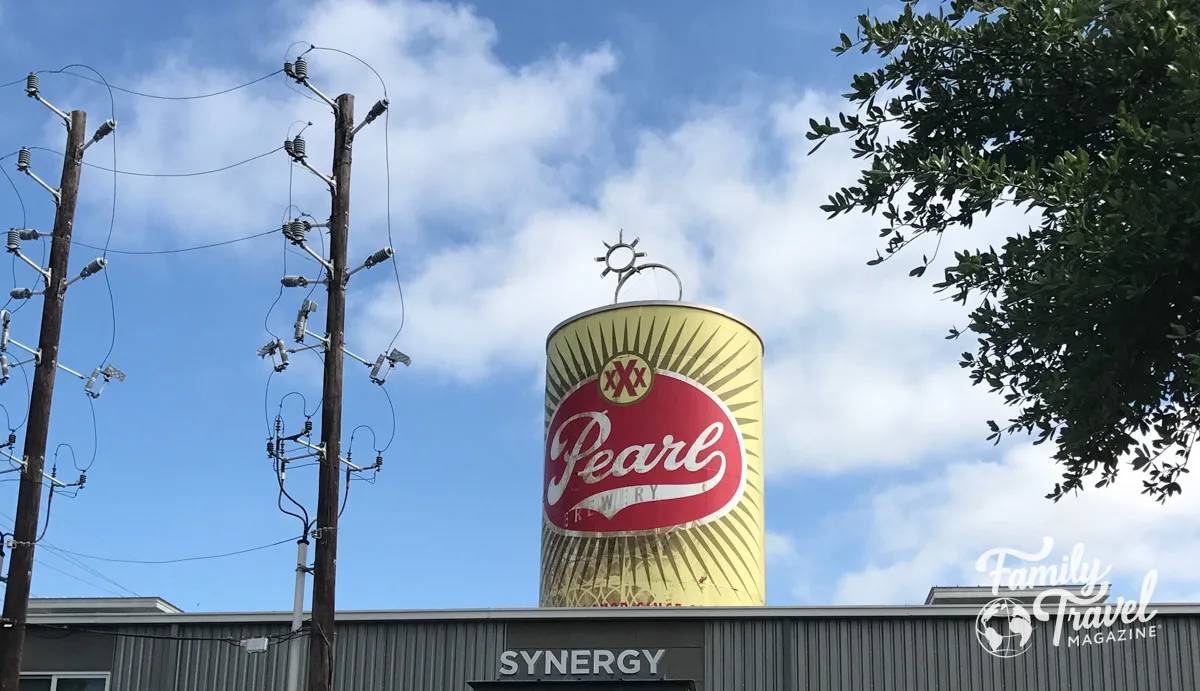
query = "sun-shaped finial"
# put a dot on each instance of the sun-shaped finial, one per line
(621, 257)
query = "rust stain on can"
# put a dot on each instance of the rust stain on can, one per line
(653, 484)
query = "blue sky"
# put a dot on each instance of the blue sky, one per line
(521, 136)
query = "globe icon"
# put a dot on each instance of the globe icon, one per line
(1004, 628)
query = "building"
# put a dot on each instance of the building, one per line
(148, 645)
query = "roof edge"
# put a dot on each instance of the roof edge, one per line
(656, 303)
(615, 613)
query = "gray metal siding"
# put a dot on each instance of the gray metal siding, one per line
(440, 656)
(930, 653)
(746, 654)
(939, 655)
(196, 658)
(44, 651)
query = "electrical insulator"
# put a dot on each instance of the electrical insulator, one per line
(381, 255)
(378, 461)
(21, 293)
(377, 109)
(29, 234)
(106, 128)
(287, 146)
(4, 371)
(291, 232)
(23, 159)
(308, 426)
(287, 68)
(301, 69)
(299, 148)
(278, 425)
(82, 479)
(294, 281)
(12, 438)
(93, 267)
(270, 450)
(31, 85)
(14, 240)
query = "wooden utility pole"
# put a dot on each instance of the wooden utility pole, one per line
(321, 641)
(29, 498)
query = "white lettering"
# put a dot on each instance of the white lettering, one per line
(508, 663)
(641, 464)
(531, 660)
(653, 658)
(1092, 621)
(579, 663)
(671, 449)
(703, 442)
(1001, 552)
(1072, 570)
(1148, 584)
(556, 488)
(594, 465)
(579, 443)
(558, 661)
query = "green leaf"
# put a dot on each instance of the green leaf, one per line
(1087, 318)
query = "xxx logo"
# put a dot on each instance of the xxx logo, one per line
(625, 379)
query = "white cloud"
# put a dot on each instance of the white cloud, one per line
(470, 137)
(855, 373)
(503, 186)
(780, 548)
(930, 532)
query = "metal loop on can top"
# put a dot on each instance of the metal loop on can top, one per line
(627, 267)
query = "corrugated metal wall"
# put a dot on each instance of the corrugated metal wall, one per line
(369, 657)
(938, 654)
(852, 654)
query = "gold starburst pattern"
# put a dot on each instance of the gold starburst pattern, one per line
(721, 562)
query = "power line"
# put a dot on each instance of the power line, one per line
(118, 633)
(387, 167)
(179, 250)
(153, 96)
(75, 562)
(329, 451)
(25, 529)
(112, 219)
(73, 577)
(176, 561)
(168, 175)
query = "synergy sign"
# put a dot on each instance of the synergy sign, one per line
(577, 664)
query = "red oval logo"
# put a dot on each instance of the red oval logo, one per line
(659, 452)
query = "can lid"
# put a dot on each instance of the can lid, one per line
(654, 303)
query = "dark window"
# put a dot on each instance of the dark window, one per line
(79, 684)
(55, 682)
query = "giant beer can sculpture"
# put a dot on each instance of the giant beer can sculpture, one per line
(653, 485)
